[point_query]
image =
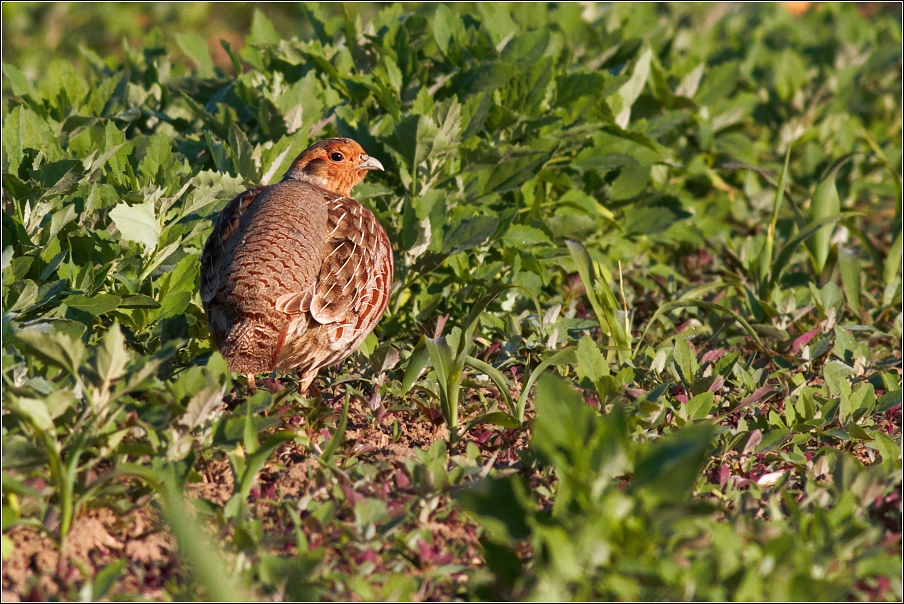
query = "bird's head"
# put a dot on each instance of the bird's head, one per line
(336, 164)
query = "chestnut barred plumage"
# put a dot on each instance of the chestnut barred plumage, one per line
(296, 274)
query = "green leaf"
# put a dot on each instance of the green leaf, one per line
(262, 30)
(686, 361)
(521, 235)
(96, 305)
(137, 223)
(468, 233)
(591, 363)
(256, 461)
(36, 410)
(335, 439)
(784, 256)
(670, 467)
(19, 83)
(772, 439)
(560, 358)
(242, 154)
(52, 347)
(623, 100)
(21, 452)
(501, 506)
(416, 363)
(205, 561)
(441, 358)
(106, 578)
(889, 450)
(502, 384)
(700, 406)
(137, 301)
(509, 175)
(604, 306)
(892, 267)
(445, 25)
(767, 273)
(497, 418)
(111, 357)
(824, 204)
(631, 181)
(849, 265)
(158, 154)
(195, 47)
(564, 420)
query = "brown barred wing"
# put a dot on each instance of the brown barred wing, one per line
(352, 288)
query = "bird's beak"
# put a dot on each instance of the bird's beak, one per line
(371, 163)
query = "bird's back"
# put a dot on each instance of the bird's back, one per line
(267, 243)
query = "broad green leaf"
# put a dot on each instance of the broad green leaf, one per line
(106, 578)
(591, 363)
(622, 101)
(51, 346)
(668, 469)
(137, 223)
(468, 233)
(20, 84)
(36, 410)
(686, 361)
(522, 235)
(157, 155)
(892, 267)
(497, 418)
(262, 30)
(416, 363)
(889, 450)
(509, 175)
(652, 219)
(445, 25)
(195, 47)
(700, 406)
(97, 305)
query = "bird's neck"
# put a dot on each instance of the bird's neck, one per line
(320, 181)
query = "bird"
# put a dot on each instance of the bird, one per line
(295, 275)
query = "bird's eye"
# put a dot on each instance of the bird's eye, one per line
(336, 156)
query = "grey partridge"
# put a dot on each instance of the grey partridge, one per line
(296, 274)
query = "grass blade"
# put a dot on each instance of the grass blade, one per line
(334, 441)
(892, 266)
(698, 304)
(823, 204)
(416, 363)
(849, 265)
(604, 308)
(765, 259)
(565, 355)
(441, 357)
(195, 548)
(254, 462)
(784, 256)
(502, 384)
